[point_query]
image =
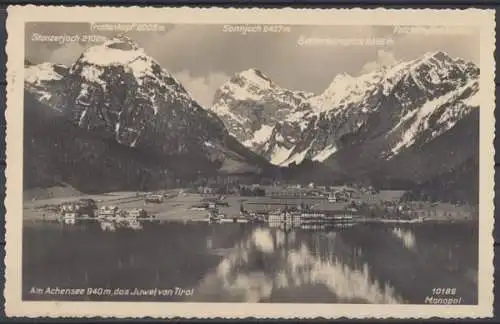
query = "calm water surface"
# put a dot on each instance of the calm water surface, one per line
(379, 263)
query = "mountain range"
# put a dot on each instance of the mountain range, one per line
(117, 110)
(407, 123)
(130, 111)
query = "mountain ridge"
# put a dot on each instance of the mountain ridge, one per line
(387, 123)
(115, 92)
(346, 96)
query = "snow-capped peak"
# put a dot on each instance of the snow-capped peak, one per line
(342, 77)
(122, 52)
(440, 55)
(438, 59)
(123, 40)
(117, 51)
(46, 82)
(255, 76)
(250, 104)
(343, 90)
(252, 79)
(36, 74)
(250, 84)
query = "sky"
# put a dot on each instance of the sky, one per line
(296, 57)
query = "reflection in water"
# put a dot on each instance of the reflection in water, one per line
(263, 240)
(406, 236)
(133, 224)
(108, 226)
(111, 226)
(246, 274)
(256, 263)
(347, 283)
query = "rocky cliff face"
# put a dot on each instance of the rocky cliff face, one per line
(251, 106)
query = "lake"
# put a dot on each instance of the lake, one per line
(196, 261)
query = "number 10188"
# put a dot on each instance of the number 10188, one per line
(444, 291)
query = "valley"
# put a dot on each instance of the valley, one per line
(127, 124)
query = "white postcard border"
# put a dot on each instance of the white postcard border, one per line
(18, 15)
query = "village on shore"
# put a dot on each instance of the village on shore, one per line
(294, 205)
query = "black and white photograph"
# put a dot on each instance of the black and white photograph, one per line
(252, 163)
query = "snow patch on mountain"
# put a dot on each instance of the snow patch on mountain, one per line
(208, 144)
(295, 158)
(113, 52)
(93, 74)
(82, 117)
(474, 100)
(46, 82)
(123, 52)
(240, 93)
(143, 67)
(38, 74)
(420, 117)
(261, 136)
(457, 109)
(325, 153)
(300, 118)
(247, 85)
(279, 154)
(298, 157)
(257, 78)
(343, 90)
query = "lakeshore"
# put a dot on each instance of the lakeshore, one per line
(178, 205)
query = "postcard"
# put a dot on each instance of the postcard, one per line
(234, 163)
